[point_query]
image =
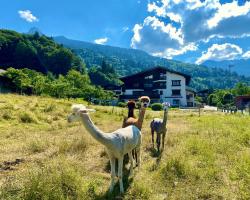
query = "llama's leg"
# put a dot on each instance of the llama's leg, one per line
(134, 155)
(158, 141)
(120, 167)
(112, 164)
(138, 149)
(131, 163)
(163, 140)
(153, 140)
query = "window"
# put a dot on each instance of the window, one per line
(137, 93)
(176, 102)
(189, 96)
(176, 92)
(176, 82)
(162, 85)
(136, 85)
(161, 92)
(163, 76)
(148, 85)
(150, 77)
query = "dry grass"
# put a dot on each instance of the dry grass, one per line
(44, 157)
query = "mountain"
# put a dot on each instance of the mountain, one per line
(34, 30)
(129, 61)
(241, 66)
(36, 52)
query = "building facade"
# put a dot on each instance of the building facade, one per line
(160, 84)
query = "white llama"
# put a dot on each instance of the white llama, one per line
(117, 143)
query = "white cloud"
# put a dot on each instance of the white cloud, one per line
(125, 29)
(226, 11)
(169, 53)
(175, 24)
(101, 40)
(219, 52)
(246, 55)
(155, 36)
(27, 15)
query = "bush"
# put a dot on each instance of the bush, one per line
(156, 106)
(28, 117)
(121, 104)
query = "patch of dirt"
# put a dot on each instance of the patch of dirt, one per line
(9, 165)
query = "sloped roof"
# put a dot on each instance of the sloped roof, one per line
(188, 78)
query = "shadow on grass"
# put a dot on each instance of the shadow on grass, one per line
(116, 192)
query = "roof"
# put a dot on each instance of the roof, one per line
(191, 89)
(243, 97)
(210, 90)
(156, 68)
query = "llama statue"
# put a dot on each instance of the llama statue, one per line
(159, 126)
(144, 100)
(117, 143)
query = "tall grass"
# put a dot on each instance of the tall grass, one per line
(205, 157)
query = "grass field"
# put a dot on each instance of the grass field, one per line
(44, 157)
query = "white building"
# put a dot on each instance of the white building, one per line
(160, 84)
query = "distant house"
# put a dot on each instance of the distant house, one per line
(160, 84)
(242, 102)
(204, 94)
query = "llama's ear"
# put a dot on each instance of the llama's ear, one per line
(91, 110)
(83, 111)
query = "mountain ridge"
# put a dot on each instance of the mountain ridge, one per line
(128, 61)
(241, 66)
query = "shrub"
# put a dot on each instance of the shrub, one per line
(139, 191)
(121, 104)
(28, 117)
(156, 106)
(36, 146)
(50, 108)
(174, 169)
(7, 115)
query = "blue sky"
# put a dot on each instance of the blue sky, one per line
(188, 30)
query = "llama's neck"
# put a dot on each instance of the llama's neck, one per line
(141, 117)
(96, 133)
(165, 118)
(131, 112)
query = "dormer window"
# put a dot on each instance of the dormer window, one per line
(163, 76)
(176, 82)
(150, 77)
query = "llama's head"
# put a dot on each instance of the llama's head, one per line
(166, 105)
(77, 111)
(145, 101)
(131, 104)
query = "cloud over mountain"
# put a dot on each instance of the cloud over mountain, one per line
(27, 15)
(177, 26)
(101, 40)
(218, 52)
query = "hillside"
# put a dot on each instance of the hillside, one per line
(128, 61)
(37, 52)
(45, 157)
(241, 66)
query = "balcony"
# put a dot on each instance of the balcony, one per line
(136, 96)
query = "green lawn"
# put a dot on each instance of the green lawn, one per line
(44, 157)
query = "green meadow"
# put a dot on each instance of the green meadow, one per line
(44, 157)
